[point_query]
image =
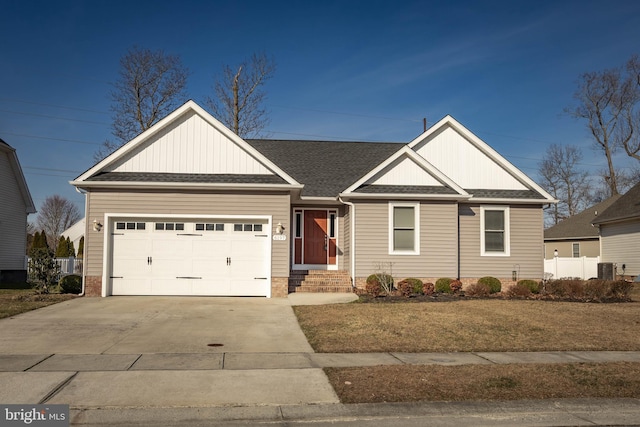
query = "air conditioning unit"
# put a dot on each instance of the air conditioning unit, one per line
(605, 271)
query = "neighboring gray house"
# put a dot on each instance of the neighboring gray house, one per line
(620, 233)
(576, 236)
(15, 205)
(190, 208)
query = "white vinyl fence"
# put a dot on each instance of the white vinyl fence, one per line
(583, 267)
(70, 265)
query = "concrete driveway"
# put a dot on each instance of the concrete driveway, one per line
(146, 352)
(131, 325)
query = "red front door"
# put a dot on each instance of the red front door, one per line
(315, 237)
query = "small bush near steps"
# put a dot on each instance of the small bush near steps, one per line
(379, 283)
(477, 290)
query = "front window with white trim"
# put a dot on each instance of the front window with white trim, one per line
(494, 231)
(404, 228)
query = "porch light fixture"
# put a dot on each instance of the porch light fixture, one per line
(555, 253)
(96, 225)
(279, 228)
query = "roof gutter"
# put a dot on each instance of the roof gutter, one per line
(396, 196)
(182, 185)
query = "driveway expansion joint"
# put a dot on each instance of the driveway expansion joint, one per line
(37, 363)
(57, 389)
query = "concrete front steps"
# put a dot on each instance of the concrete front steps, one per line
(320, 281)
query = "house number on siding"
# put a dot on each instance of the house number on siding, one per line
(279, 237)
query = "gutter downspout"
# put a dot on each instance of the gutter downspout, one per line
(84, 264)
(352, 238)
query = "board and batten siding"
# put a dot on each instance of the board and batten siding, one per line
(438, 241)
(526, 243)
(186, 203)
(190, 145)
(621, 245)
(13, 219)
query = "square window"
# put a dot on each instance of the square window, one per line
(199, 227)
(210, 227)
(169, 226)
(141, 225)
(119, 225)
(257, 227)
(248, 227)
(159, 225)
(219, 227)
(131, 226)
(180, 227)
(237, 227)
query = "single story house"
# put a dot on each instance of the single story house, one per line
(619, 227)
(16, 204)
(576, 236)
(190, 208)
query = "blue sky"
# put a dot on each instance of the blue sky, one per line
(352, 70)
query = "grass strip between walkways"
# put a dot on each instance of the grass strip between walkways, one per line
(412, 383)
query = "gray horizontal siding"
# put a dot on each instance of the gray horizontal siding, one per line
(526, 239)
(13, 219)
(186, 203)
(438, 241)
(621, 245)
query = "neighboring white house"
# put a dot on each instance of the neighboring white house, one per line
(619, 227)
(15, 204)
(75, 233)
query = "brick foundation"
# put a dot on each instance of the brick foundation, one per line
(279, 287)
(93, 286)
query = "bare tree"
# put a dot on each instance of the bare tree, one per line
(56, 215)
(151, 85)
(563, 179)
(608, 101)
(239, 97)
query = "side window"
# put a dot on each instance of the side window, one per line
(404, 228)
(576, 250)
(494, 233)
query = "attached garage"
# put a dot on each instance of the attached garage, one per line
(189, 256)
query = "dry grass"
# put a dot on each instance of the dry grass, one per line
(495, 382)
(16, 301)
(471, 325)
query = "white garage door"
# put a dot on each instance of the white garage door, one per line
(195, 257)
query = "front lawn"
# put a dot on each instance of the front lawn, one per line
(16, 301)
(469, 325)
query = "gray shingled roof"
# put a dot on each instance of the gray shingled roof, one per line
(187, 177)
(579, 226)
(325, 167)
(627, 206)
(505, 194)
(405, 189)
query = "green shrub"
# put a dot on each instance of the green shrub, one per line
(534, 286)
(428, 288)
(494, 284)
(477, 290)
(456, 286)
(417, 284)
(71, 284)
(443, 285)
